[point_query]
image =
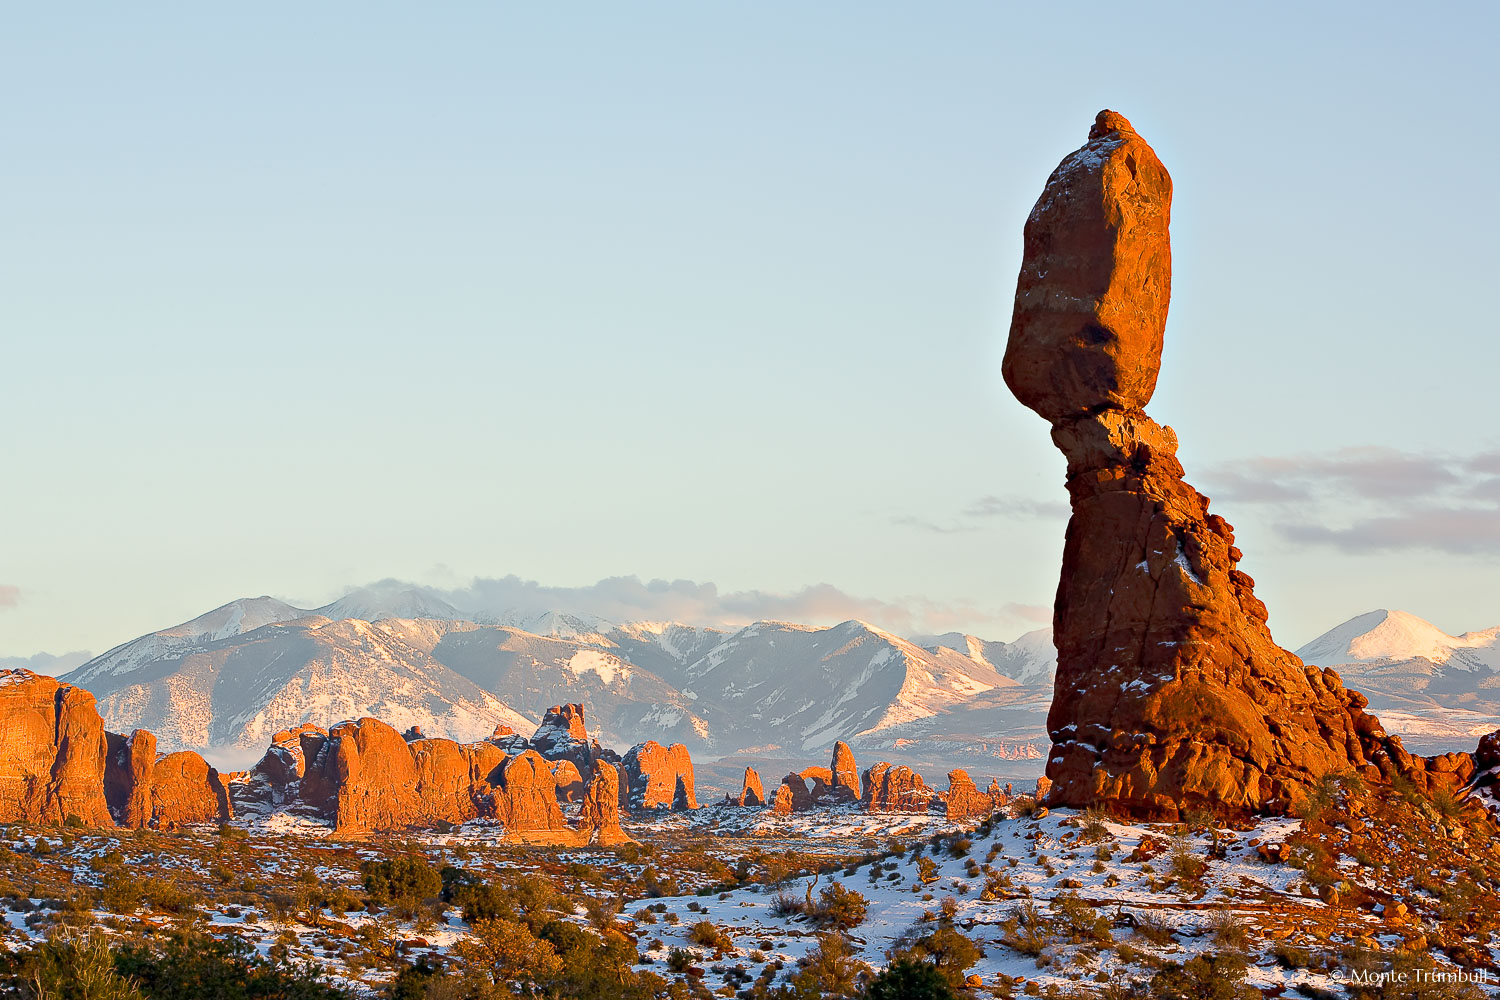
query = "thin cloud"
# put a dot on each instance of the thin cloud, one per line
(1459, 531)
(987, 508)
(951, 528)
(1015, 507)
(1361, 500)
(10, 596)
(1375, 473)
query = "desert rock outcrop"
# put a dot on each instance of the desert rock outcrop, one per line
(964, 799)
(659, 777)
(792, 795)
(599, 816)
(752, 793)
(894, 788)
(845, 773)
(363, 776)
(1170, 692)
(52, 751)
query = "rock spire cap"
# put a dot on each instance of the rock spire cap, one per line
(1108, 121)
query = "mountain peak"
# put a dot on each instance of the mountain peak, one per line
(1390, 635)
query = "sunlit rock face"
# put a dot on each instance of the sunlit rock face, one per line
(1170, 692)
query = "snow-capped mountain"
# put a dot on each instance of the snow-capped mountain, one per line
(1031, 659)
(229, 679)
(1438, 691)
(1385, 636)
(228, 693)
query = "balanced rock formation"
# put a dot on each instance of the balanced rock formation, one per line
(1170, 692)
(751, 791)
(897, 788)
(845, 783)
(658, 777)
(964, 799)
(52, 751)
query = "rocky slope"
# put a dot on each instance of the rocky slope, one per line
(1170, 693)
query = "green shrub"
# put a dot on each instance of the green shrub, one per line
(401, 881)
(906, 979)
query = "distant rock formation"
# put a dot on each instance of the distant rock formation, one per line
(58, 763)
(792, 795)
(1170, 692)
(845, 773)
(658, 777)
(964, 800)
(897, 788)
(819, 782)
(751, 792)
(599, 818)
(54, 751)
(563, 735)
(570, 784)
(165, 793)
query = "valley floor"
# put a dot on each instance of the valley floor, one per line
(728, 901)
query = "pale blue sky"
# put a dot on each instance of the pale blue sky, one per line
(297, 300)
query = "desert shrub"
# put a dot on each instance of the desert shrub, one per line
(710, 935)
(194, 964)
(784, 905)
(401, 881)
(1207, 977)
(1186, 867)
(959, 846)
(1091, 825)
(1230, 931)
(949, 951)
(679, 960)
(927, 871)
(906, 979)
(830, 970)
(1027, 931)
(1082, 921)
(839, 908)
(1154, 927)
(78, 968)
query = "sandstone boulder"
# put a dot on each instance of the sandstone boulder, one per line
(52, 752)
(1170, 693)
(658, 777)
(751, 792)
(897, 788)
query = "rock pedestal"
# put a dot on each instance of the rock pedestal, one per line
(1170, 692)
